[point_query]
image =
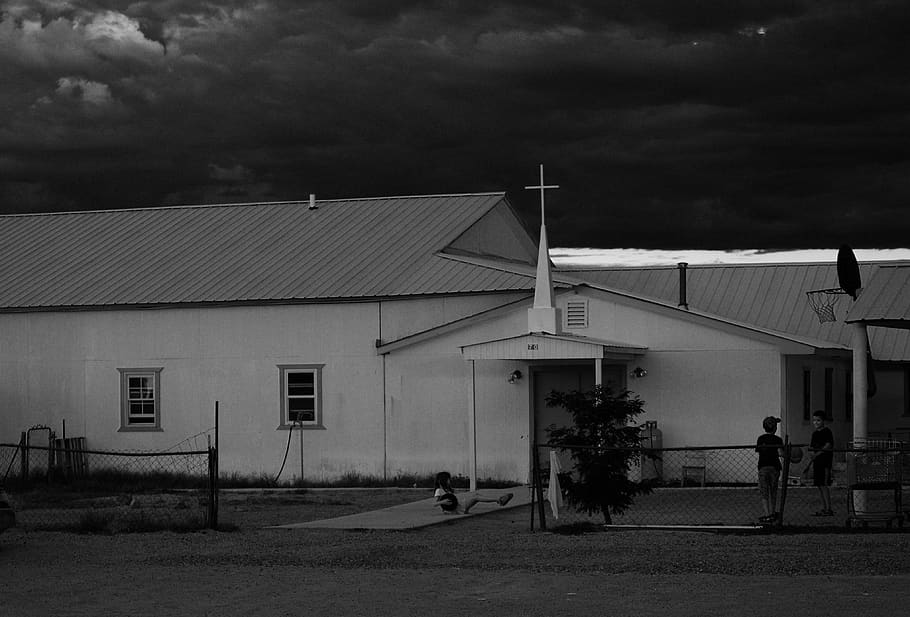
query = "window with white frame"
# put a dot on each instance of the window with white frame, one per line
(140, 399)
(301, 395)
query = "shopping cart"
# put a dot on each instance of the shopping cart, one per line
(874, 467)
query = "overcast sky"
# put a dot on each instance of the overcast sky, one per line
(709, 124)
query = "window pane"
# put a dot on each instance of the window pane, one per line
(141, 393)
(141, 388)
(142, 413)
(143, 408)
(301, 384)
(301, 410)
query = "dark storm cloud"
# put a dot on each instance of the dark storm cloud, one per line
(668, 123)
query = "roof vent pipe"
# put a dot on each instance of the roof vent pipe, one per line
(683, 302)
(312, 201)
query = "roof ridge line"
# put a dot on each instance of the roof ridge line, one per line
(248, 203)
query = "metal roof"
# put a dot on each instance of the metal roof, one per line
(259, 252)
(885, 299)
(770, 296)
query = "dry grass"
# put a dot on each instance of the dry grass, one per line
(508, 543)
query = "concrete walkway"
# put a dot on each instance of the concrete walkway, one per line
(416, 514)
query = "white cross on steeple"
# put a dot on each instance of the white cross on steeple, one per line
(542, 188)
(542, 317)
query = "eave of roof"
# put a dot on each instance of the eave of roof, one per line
(884, 300)
(790, 344)
(452, 326)
(773, 336)
(768, 296)
(555, 346)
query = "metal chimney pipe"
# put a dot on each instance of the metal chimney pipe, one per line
(312, 201)
(683, 302)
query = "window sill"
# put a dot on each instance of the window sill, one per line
(140, 429)
(306, 427)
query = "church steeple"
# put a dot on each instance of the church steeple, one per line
(542, 317)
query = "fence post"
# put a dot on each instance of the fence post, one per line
(51, 454)
(213, 477)
(532, 482)
(213, 491)
(539, 489)
(785, 472)
(23, 461)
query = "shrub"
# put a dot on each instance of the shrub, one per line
(603, 444)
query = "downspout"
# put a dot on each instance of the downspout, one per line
(385, 429)
(472, 432)
(385, 410)
(784, 394)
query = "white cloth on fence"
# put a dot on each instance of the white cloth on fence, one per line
(554, 492)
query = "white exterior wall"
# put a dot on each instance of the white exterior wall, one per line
(401, 318)
(428, 398)
(704, 386)
(405, 412)
(710, 398)
(63, 366)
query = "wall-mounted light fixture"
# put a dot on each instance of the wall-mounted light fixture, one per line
(514, 376)
(638, 373)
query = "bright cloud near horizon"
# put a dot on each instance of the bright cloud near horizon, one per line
(600, 258)
(725, 124)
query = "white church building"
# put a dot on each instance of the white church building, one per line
(399, 335)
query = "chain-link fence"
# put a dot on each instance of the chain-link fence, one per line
(68, 487)
(718, 486)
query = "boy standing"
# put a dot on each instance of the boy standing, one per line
(770, 448)
(821, 451)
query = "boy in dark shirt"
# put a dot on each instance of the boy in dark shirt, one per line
(821, 452)
(770, 448)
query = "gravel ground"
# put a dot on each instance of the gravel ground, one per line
(491, 564)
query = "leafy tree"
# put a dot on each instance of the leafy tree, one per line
(603, 445)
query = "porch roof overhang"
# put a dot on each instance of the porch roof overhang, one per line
(542, 346)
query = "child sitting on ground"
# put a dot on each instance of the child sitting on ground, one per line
(446, 499)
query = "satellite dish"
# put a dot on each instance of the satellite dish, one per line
(848, 271)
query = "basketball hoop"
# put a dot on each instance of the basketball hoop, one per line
(823, 302)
